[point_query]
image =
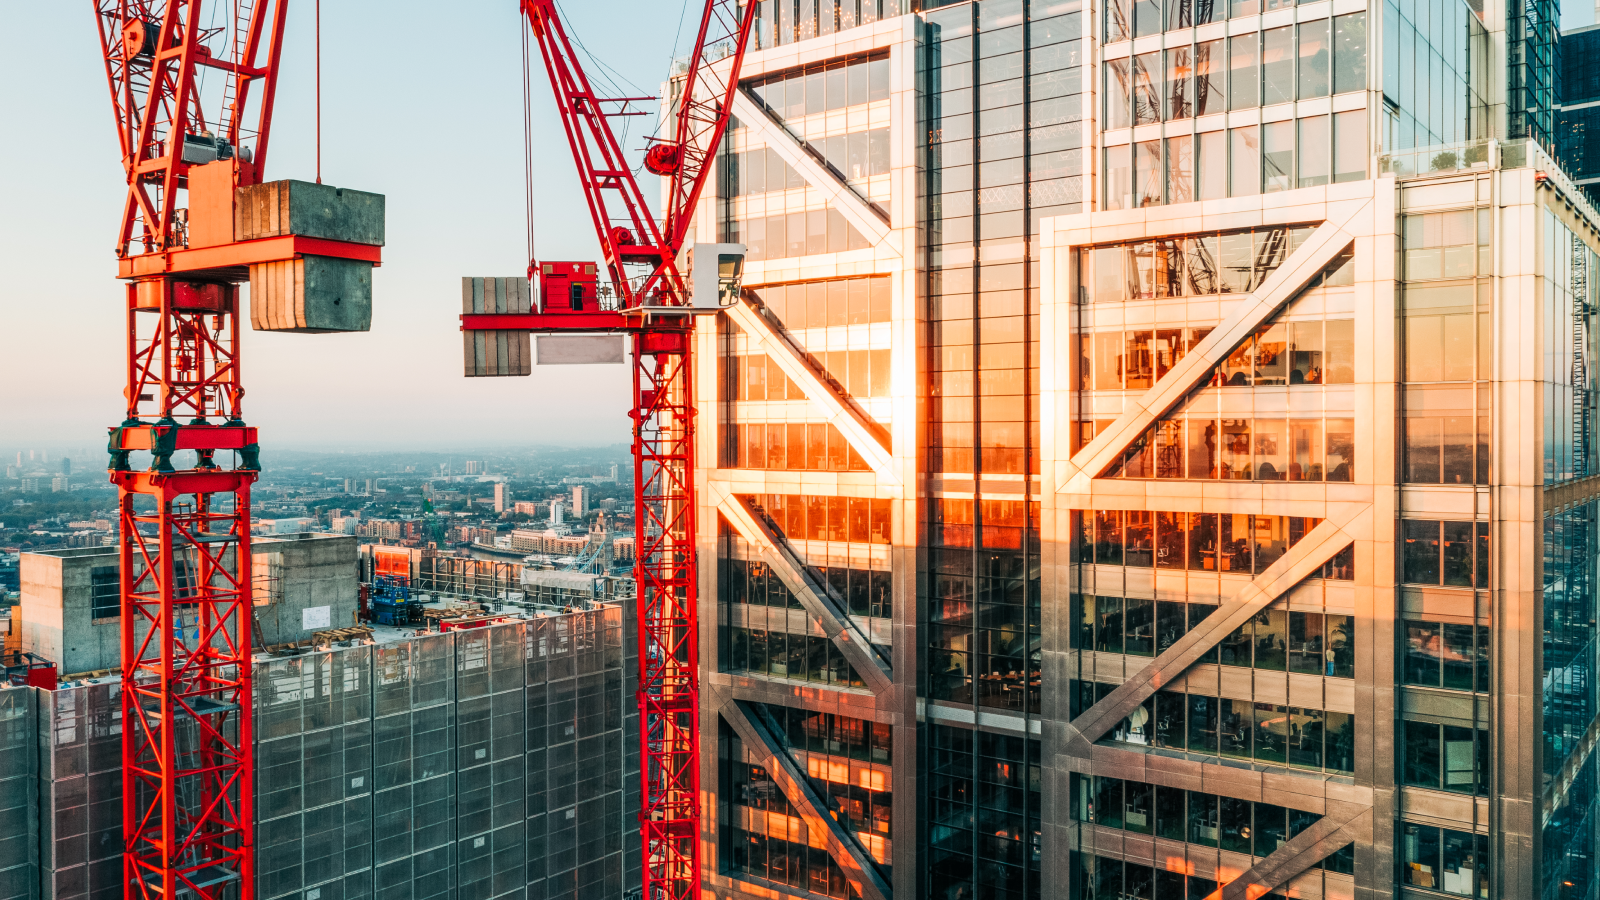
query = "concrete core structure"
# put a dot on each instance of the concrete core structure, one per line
(70, 609)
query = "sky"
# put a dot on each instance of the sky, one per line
(422, 102)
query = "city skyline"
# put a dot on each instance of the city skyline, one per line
(61, 337)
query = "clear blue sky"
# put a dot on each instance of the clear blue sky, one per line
(421, 102)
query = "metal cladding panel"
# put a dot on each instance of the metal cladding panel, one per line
(19, 795)
(369, 780)
(80, 814)
(581, 349)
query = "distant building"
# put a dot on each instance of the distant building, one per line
(293, 525)
(474, 467)
(11, 471)
(1577, 107)
(556, 512)
(502, 496)
(60, 484)
(622, 550)
(526, 507)
(613, 473)
(66, 466)
(580, 500)
(30, 485)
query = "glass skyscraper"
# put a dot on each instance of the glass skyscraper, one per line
(1153, 457)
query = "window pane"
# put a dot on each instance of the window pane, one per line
(1171, 529)
(1277, 65)
(1235, 648)
(1170, 624)
(1212, 168)
(1423, 653)
(1350, 146)
(1457, 446)
(1341, 351)
(1235, 451)
(1305, 445)
(1202, 731)
(1146, 99)
(1420, 844)
(1341, 655)
(1350, 53)
(1147, 173)
(1119, 177)
(1272, 732)
(1140, 627)
(1422, 449)
(1209, 95)
(1242, 77)
(1139, 549)
(1119, 20)
(1339, 748)
(1236, 725)
(1457, 655)
(1147, 17)
(1271, 450)
(1421, 754)
(1314, 150)
(1421, 542)
(1177, 97)
(1180, 169)
(1306, 643)
(1108, 627)
(1278, 155)
(1305, 738)
(1314, 59)
(1246, 163)
(1170, 815)
(1457, 554)
(1118, 94)
(1233, 541)
(1235, 824)
(1272, 355)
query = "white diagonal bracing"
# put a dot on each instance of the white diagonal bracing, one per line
(857, 428)
(840, 195)
(1279, 288)
(797, 790)
(1346, 523)
(817, 598)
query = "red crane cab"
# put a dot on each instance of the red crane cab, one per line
(568, 287)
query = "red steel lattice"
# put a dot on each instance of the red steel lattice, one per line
(663, 412)
(184, 78)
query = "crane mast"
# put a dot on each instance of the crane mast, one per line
(192, 85)
(653, 293)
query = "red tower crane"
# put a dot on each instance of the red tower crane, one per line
(655, 287)
(192, 85)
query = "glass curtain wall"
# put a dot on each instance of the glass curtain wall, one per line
(1435, 72)
(1004, 83)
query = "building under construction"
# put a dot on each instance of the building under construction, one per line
(440, 761)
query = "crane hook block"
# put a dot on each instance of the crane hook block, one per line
(663, 159)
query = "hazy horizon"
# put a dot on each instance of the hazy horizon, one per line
(443, 143)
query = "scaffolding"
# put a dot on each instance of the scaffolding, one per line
(481, 763)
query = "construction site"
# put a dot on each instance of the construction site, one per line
(1080, 449)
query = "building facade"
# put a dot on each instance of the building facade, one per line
(1154, 456)
(492, 762)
